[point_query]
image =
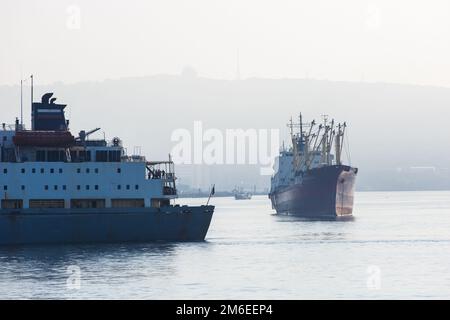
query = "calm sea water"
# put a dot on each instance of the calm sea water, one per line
(397, 246)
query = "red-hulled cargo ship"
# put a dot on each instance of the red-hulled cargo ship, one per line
(309, 180)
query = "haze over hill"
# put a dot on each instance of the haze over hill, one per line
(398, 134)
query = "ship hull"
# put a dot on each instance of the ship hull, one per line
(325, 192)
(60, 226)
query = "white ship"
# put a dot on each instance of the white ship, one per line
(58, 188)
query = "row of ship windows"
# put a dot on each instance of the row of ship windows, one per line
(42, 170)
(87, 187)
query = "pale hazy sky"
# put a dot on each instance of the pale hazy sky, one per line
(352, 40)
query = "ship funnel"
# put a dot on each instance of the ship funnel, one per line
(47, 115)
(46, 97)
(338, 149)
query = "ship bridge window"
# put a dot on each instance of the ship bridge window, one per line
(46, 187)
(22, 170)
(55, 187)
(78, 170)
(136, 187)
(22, 187)
(87, 170)
(5, 171)
(55, 155)
(60, 170)
(8, 155)
(40, 155)
(114, 156)
(119, 170)
(42, 170)
(87, 187)
(80, 156)
(96, 187)
(84, 156)
(5, 188)
(108, 156)
(128, 187)
(96, 170)
(52, 170)
(101, 156)
(33, 170)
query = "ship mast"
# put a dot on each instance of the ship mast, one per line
(32, 113)
(330, 142)
(301, 127)
(31, 91)
(300, 142)
(291, 126)
(324, 139)
(294, 144)
(339, 142)
(21, 103)
(338, 145)
(316, 142)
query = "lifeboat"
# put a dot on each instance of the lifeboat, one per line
(55, 139)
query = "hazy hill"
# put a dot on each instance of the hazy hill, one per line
(391, 126)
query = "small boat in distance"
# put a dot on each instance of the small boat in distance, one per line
(240, 194)
(309, 181)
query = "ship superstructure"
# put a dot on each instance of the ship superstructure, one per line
(57, 187)
(309, 180)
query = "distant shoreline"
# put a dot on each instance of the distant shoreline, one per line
(217, 194)
(223, 194)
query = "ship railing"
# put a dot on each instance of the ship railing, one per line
(161, 175)
(163, 170)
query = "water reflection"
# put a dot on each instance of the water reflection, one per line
(55, 254)
(251, 254)
(97, 264)
(292, 217)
